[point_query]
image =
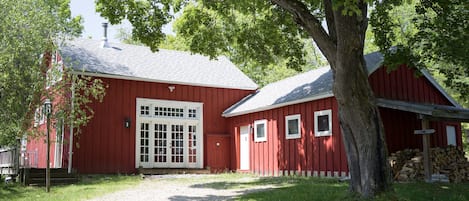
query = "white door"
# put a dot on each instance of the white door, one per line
(451, 135)
(244, 147)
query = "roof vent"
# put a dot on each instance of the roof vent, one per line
(104, 43)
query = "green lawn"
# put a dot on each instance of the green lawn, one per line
(88, 187)
(283, 188)
(300, 188)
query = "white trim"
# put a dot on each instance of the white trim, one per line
(58, 152)
(70, 145)
(122, 77)
(269, 107)
(294, 135)
(256, 123)
(322, 113)
(154, 117)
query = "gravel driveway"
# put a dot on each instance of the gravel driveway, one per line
(187, 187)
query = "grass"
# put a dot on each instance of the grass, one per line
(301, 188)
(280, 188)
(88, 187)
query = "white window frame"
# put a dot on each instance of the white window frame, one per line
(451, 135)
(256, 123)
(318, 133)
(292, 135)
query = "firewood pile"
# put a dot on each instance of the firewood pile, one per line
(407, 165)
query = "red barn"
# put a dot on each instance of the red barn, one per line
(292, 126)
(173, 109)
(161, 110)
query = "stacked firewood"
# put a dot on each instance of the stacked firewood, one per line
(450, 162)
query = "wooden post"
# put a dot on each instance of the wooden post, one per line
(427, 163)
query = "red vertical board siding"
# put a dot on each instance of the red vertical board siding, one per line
(402, 84)
(106, 146)
(327, 153)
(275, 145)
(221, 153)
(308, 153)
(307, 133)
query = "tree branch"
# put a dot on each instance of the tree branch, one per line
(330, 20)
(311, 25)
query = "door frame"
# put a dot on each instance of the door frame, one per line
(244, 151)
(192, 114)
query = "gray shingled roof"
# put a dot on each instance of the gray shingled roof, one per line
(312, 85)
(140, 63)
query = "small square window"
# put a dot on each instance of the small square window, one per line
(260, 130)
(323, 123)
(292, 127)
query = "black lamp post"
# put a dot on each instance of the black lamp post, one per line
(48, 111)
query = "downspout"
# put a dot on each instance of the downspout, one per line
(70, 149)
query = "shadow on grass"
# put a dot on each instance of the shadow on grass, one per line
(262, 181)
(276, 188)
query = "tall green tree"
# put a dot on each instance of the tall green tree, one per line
(28, 30)
(264, 31)
(31, 31)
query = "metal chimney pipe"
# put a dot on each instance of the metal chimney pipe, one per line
(104, 43)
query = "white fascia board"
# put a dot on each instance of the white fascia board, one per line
(121, 77)
(269, 107)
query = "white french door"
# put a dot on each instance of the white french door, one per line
(169, 134)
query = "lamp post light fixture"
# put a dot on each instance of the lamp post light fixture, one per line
(48, 112)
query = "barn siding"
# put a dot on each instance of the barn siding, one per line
(220, 149)
(36, 145)
(302, 156)
(326, 156)
(402, 84)
(106, 146)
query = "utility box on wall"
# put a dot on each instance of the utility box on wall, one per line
(218, 152)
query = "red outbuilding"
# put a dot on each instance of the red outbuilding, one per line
(292, 126)
(173, 109)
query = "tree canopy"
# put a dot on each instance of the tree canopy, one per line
(28, 30)
(32, 31)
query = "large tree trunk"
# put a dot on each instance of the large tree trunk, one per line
(360, 122)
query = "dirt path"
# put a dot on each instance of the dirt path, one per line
(186, 187)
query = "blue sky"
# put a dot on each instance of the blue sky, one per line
(92, 21)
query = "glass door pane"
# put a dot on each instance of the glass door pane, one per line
(192, 148)
(160, 141)
(177, 143)
(144, 142)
